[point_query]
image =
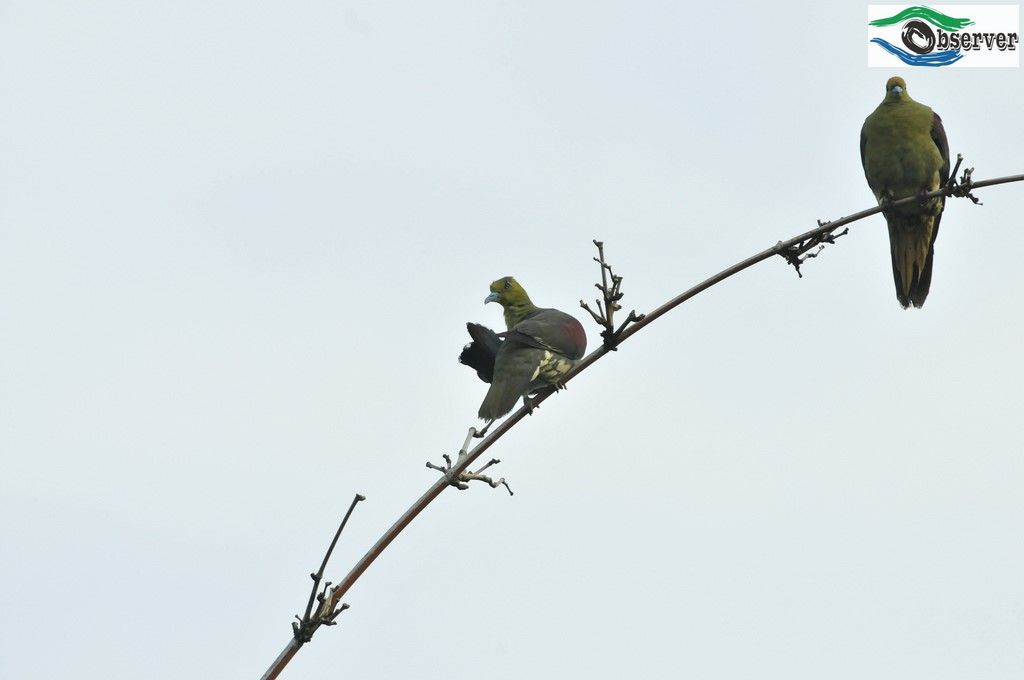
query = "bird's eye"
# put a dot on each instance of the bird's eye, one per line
(508, 284)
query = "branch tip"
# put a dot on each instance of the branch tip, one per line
(606, 307)
(308, 623)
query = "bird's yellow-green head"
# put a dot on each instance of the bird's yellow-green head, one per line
(896, 90)
(507, 292)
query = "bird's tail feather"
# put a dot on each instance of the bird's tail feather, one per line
(479, 354)
(912, 245)
(514, 366)
(500, 399)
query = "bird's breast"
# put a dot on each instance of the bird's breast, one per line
(901, 159)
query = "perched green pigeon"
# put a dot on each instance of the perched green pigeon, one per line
(904, 152)
(539, 348)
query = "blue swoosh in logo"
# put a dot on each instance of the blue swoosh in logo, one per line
(934, 59)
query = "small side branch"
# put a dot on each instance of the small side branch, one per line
(478, 477)
(799, 253)
(460, 479)
(962, 189)
(327, 610)
(605, 314)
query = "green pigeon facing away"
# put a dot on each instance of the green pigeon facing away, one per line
(538, 349)
(904, 152)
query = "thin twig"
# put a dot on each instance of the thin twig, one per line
(308, 624)
(962, 189)
(605, 315)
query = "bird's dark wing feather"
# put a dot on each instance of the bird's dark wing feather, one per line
(863, 160)
(939, 137)
(863, 144)
(919, 292)
(924, 281)
(552, 330)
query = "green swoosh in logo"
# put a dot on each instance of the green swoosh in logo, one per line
(928, 14)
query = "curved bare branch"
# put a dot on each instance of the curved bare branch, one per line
(790, 250)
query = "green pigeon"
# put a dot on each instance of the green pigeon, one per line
(538, 349)
(904, 152)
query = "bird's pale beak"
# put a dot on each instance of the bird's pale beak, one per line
(493, 297)
(897, 89)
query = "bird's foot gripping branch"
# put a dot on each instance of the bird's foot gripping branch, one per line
(461, 480)
(605, 314)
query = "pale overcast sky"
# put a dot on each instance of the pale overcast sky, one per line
(238, 246)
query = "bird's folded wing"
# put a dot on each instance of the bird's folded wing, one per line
(938, 134)
(552, 330)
